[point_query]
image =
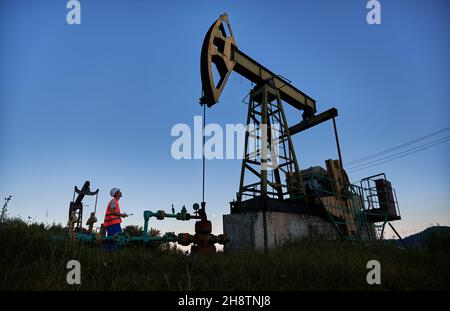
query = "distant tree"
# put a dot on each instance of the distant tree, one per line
(154, 232)
(133, 230)
(437, 240)
(57, 228)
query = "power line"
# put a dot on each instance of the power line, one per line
(403, 154)
(363, 168)
(364, 159)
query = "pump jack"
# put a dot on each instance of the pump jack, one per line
(342, 204)
(75, 222)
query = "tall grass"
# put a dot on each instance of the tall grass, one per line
(31, 260)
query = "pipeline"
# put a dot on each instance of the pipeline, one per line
(203, 241)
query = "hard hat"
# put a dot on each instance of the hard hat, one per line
(114, 191)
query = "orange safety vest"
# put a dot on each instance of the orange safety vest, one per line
(112, 219)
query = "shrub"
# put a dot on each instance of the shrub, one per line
(133, 230)
(437, 240)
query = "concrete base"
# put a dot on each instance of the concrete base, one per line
(246, 230)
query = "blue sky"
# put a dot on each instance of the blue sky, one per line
(97, 101)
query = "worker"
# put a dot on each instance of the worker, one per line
(113, 217)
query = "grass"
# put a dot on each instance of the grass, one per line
(31, 260)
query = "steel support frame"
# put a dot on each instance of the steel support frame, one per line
(265, 111)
